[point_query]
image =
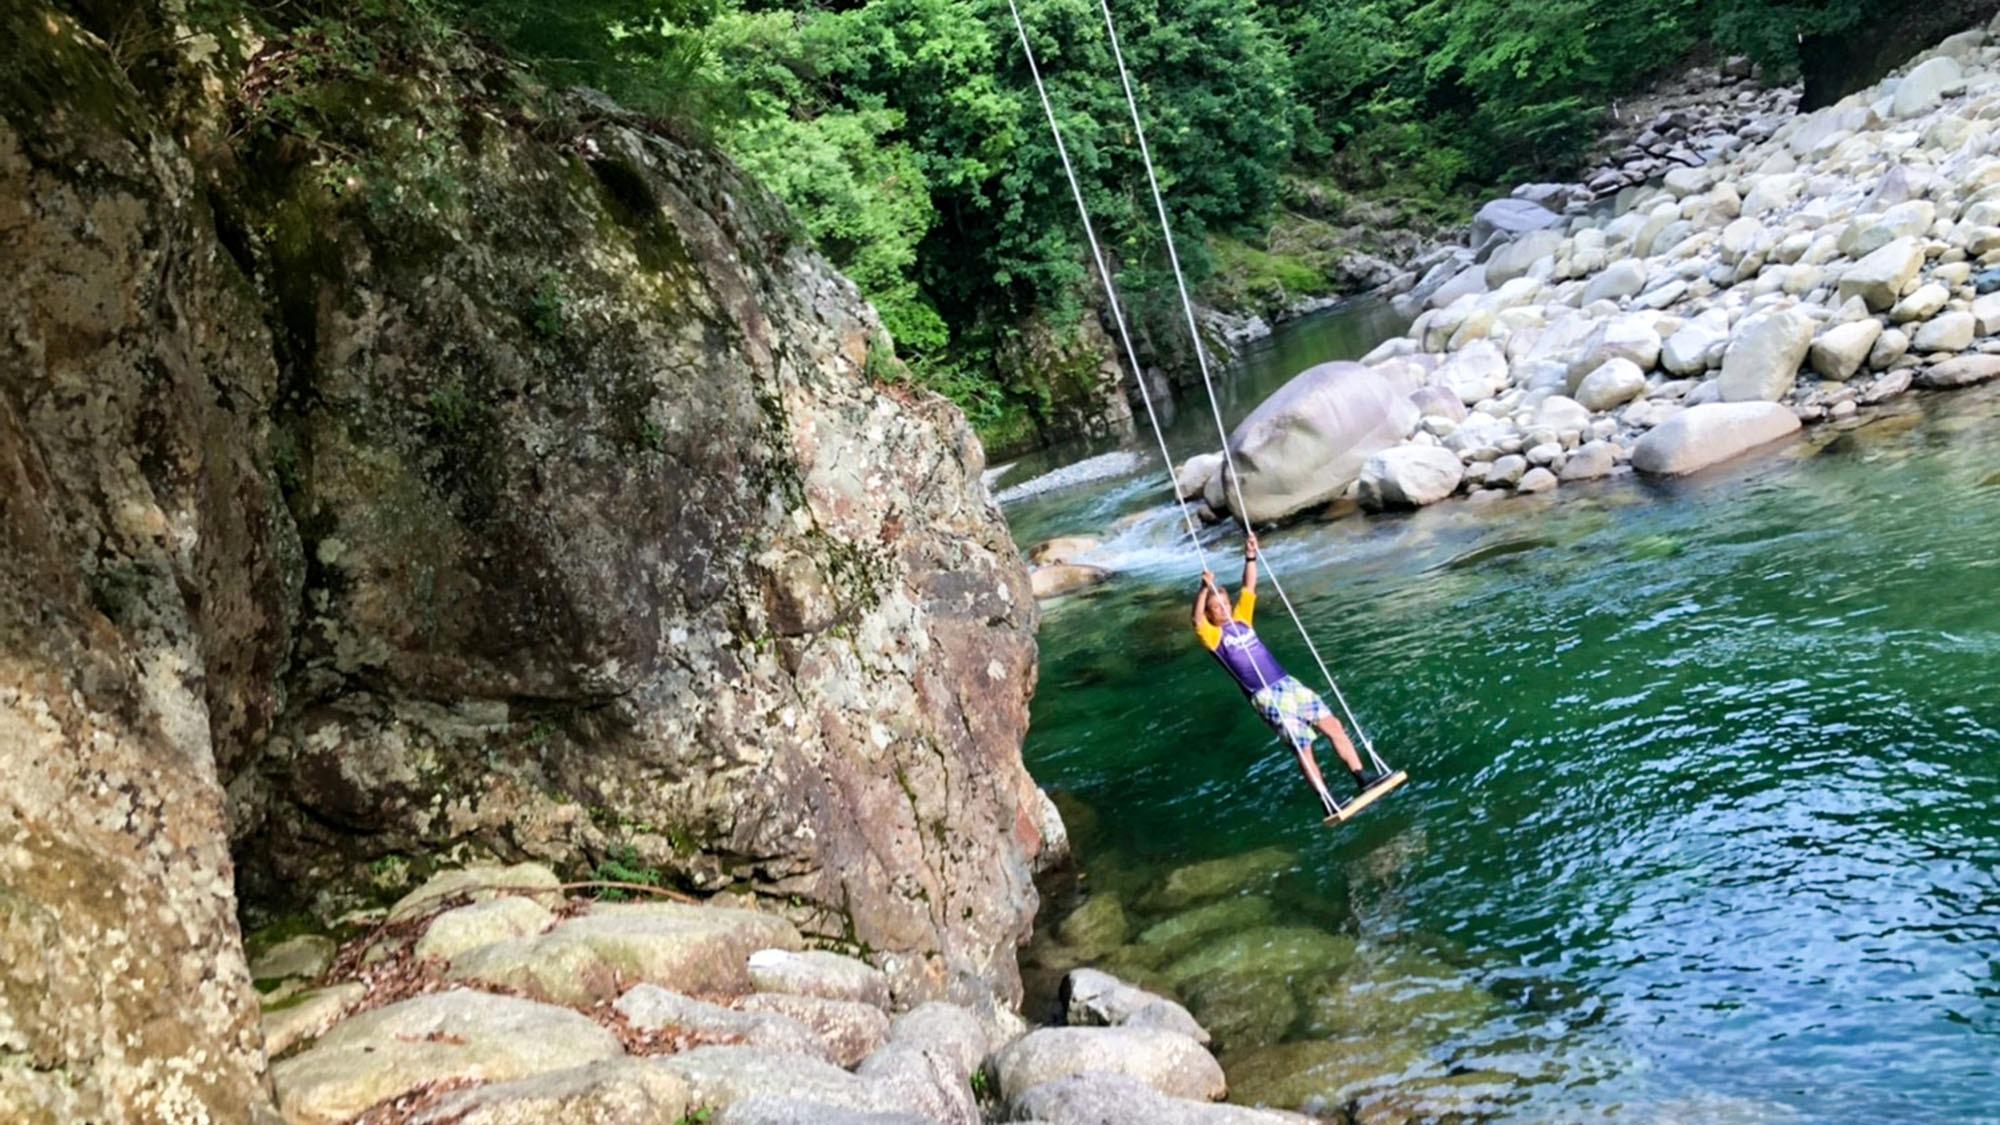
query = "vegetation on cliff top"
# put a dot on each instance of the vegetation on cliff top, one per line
(905, 136)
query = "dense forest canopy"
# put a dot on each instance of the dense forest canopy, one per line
(905, 136)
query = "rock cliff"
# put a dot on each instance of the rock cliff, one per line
(400, 459)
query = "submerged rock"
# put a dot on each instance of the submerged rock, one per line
(1199, 882)
(1319, 1072)
(1057, 579)
(1181, 933)
(1096, 927)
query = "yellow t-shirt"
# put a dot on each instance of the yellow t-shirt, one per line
(1211, 635)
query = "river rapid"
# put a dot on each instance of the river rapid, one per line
(1701, 820)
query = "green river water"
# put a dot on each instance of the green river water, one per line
(1704, 780)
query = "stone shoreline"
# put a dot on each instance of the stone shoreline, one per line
(1805, 279)
(488, 997)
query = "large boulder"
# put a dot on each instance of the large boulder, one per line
(1306, 443)
(481, 924)
(1621, 337)
(719, 1077)
(1950, 332)
(850, 1031)
(1711, 433)
(1923, 88)
(1517, 257)
(1409, 476)
(435, 1038)
(1511, 218)
(591, 958)
(1170, 1063)
(1698, 344)
(1476, 373)
(1880, 278)
(1764, 356)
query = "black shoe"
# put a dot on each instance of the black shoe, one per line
(1363, 779)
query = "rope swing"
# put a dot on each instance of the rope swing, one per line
(1231, 476)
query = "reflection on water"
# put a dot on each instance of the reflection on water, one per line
(1702, 815)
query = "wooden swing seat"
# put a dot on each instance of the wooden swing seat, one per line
(1367, 797)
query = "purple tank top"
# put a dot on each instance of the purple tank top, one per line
(1247, 659)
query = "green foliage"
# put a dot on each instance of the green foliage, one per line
(906, 138)
(623, 865)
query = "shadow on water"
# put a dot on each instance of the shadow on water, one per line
(1701, 820)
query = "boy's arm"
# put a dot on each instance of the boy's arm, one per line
(1246, 602)
(1211, 637)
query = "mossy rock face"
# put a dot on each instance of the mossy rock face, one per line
(1210, 879)
(1288, 953)
(1183, 933)
(1405, 993)
(1097, 927)
(1319, 1074)
(1243, 1009)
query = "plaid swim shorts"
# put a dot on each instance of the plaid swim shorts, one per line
(1291, 708)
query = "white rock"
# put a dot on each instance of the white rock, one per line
(1630, 337)
(1922, 304)
(1764, 356)
(1698, 345)
(1623, 278)
(1590, 461)
(1891, 346)
(1879, 278)
(1536, 480)
(1409, 476)
(1922, 89)
(1841, 350)
(1709, 434)
(1615, 383)
(1951, 332)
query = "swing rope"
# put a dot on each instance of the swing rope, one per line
(1110, 291)
(1232, 477)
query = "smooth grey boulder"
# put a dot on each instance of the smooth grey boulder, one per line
(1109, 1099)
(614, 1090)
(1591, 460)
(482, 924)
(1879, 278)
(1923, 88)
(1962, 371)
(1698, 345)
(479, 883)
(1409, 476)
(1949, 332)
(719, 1077)
(649, 1007)
(909, 1077)
(1475, 373)
(1621, 337)
(850, 1030)
(1764, 356)
(815, 972)
(1516, 258)
(1709, 434)
(1438, 402)
(1623, 278)
(1466, 281)
(1840, 351)
(586, 959)
(1091, 998)
(945, 1030)
(437, 1037)
(1616, 382)
(1512, 218)
(1168, 1062)
(1306, 443)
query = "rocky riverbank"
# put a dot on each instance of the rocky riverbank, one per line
(490, 996)
(1802, 280)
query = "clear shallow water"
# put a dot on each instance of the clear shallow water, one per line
(1704, 776)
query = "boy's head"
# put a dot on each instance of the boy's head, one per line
(1215, 607)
